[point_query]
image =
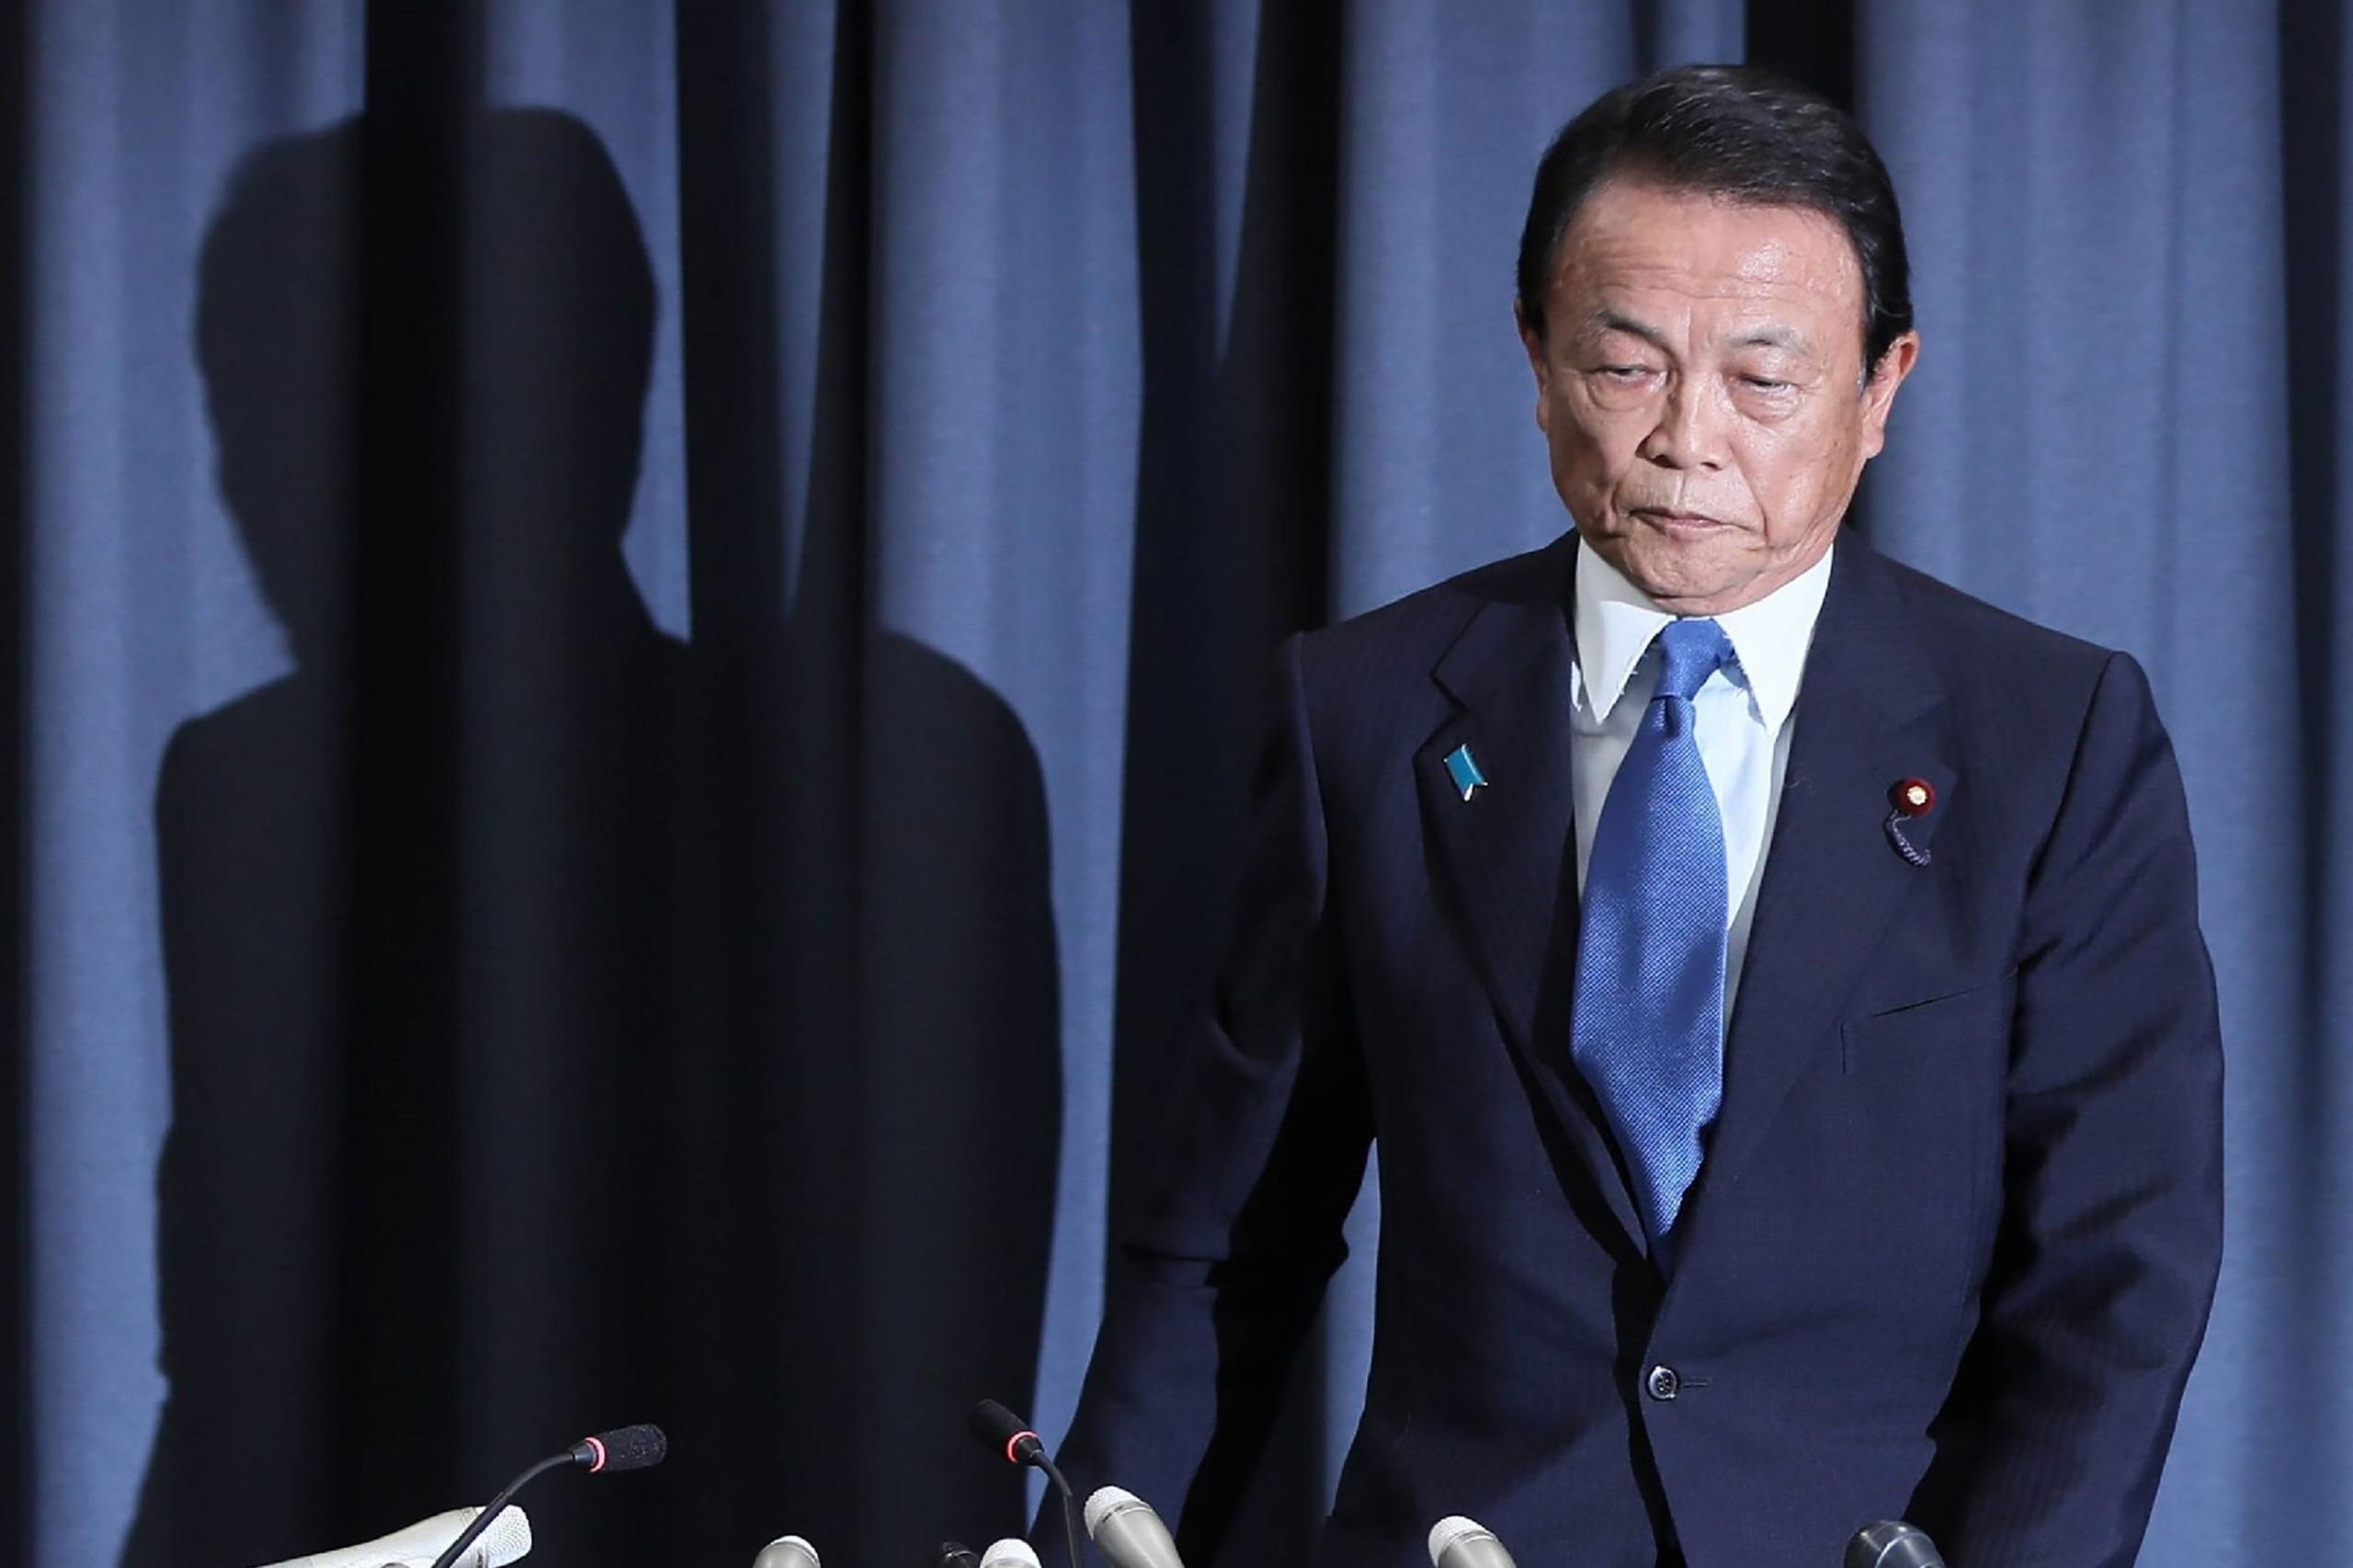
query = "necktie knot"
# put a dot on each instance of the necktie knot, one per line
(1692, 651)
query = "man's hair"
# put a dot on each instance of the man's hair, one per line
(1734, 131)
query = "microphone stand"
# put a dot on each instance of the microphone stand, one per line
(497, 1504)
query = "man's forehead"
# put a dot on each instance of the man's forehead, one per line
(1745, 323)
(1727, 262)
(1662, 262)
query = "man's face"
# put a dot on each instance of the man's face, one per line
(1701, 384)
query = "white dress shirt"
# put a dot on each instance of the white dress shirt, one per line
(1743, 716)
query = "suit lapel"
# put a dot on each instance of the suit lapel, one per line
(1508, 855)
(1832, 880)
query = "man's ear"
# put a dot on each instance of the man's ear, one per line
(1879, 392)
(1532, 341)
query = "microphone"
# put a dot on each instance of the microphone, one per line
(1458, 1542)
(1010, 1552)
(955, 1554)
(507, 1542)
(998, 1428)
(632, 1448)
(629, 1448)
(1001, 1431)
(787, 1551)
(1129, 1533)
(1892, 1543)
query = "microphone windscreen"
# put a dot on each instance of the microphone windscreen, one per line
(508, 1540)
(1459, 1542)
(1127, 1531)
(631, 1448)
(993, 1424)
(1010, 1552)
(787, 1551)
(1103, 1501)
(1892, 1543)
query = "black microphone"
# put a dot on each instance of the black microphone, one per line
(1001, 1429)
(1002, 1432)
(1892, 1543)
(631, 1448)
(955, 1554)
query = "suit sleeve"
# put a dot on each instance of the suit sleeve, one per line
(2050, 1447)
(1210, 1292)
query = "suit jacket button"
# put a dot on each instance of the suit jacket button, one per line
(1663, 1383)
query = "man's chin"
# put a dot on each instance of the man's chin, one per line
(1702, 571)
(1706, 574)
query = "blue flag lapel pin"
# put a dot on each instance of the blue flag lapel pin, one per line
(1464, 769)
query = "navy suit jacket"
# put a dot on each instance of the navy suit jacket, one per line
(1951, 1252)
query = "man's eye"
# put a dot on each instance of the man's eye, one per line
(1625, 373)
(1765, 383)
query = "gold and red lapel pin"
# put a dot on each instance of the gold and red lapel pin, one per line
(1908, 798)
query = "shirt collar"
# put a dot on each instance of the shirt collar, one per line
(1616, 622)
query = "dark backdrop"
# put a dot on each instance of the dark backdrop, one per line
(631, 633)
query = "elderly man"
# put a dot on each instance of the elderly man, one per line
(1773, 977)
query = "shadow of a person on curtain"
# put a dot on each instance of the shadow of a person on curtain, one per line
(492, 1124)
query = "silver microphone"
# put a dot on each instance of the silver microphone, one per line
(787, 1551)
(508, 1540)
(1128, 1531)
(1010, 1552)
(1458, 1542)
(1892, 1543)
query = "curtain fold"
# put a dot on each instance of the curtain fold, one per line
(2118, 428)
(635, 642)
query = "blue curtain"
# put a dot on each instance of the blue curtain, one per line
(631, 643)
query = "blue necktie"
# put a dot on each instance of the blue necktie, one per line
(1646, 1028)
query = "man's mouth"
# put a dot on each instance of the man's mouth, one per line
(1674, 519)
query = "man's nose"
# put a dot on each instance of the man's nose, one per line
(1690, 432)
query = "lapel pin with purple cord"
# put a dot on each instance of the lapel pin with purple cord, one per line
(1909, 798)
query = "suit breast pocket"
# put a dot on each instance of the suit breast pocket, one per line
(1925, 1092)
(1975, 1020)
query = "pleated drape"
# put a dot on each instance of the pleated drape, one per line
(635, 637)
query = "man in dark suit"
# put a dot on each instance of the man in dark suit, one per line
(1773, 978)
